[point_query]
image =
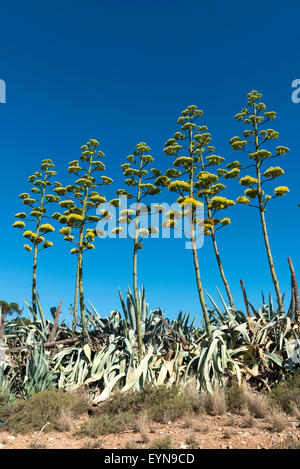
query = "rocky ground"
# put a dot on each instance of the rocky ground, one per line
(228, 431)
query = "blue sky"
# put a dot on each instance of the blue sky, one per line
(121, 72)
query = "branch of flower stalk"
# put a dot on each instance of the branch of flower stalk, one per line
(55, 324)
(2, 321)
(295, 291)
(245, 298)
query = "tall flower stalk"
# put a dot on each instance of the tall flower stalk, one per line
(80, 198)
(138, 178)
(196, 187)
(253, 143)
(210, 188)
(38, 206)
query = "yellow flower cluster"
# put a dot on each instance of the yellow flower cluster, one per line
(19, 224)
(281, 190)
(242, 200)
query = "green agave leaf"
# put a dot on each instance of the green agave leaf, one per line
(132, 378)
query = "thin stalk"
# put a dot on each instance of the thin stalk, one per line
(263, 222)
(221, 269)
(194, 249)
(218, 257)
(76, 299)
(135, 287)
(80, 262)
(35, 256)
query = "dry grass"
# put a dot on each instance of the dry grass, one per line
(144, 427)
(235, 398)
(97, 444)
(287, 394)
(216, 403)
(296, 410)
(288, 443)
(204, 428)
(191, 441)
(197, 400)
(65, 421)
(257, 404)
(106, 424)
(161, 443)
(34, 444)
(248, 420)
(277, 420)
(187, 422)
(227, 435)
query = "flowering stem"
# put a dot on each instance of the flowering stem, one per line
(218, 257)
(135, 249)
(75, 299)
(35, 254)
(263, 221)
(226, 284)
(194, 249)
(80, 262)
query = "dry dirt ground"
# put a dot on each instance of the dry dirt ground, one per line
(198, 432)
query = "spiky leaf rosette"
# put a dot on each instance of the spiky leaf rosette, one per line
(33, 221)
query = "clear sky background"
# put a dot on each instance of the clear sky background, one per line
(121, 72)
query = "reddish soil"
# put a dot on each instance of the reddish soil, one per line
(209, 432)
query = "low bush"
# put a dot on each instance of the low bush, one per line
(106, 424)
(43, 408)
(287, 394)
(161, 443)
(235, 398)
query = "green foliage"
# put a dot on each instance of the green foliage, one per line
(32, 414)
(161, 443)
(10, 308)
(235, 398)
(287, 393)
(105, 425)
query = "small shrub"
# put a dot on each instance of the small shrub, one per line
(287, 394)
(216, 403)
(41, 409)
(277, 420)
(187, 423)
(92, 444)
(230, 422)
(65, 421)
(161, 443)
(161, 403)
(133, 445)
(295, 410)
(235, 398)
(131, 401)
(248, 419)
(144, 426)
(227, 435)
(196, 398)
(257, 404)
(289, 443)
(6, 403)
(166, 404)
(34, 444)
(106, 424)
(191, 441)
